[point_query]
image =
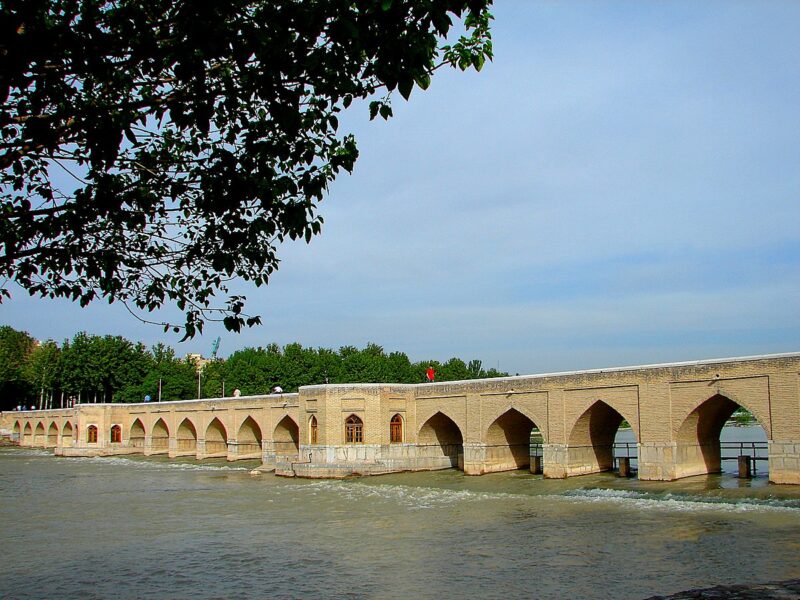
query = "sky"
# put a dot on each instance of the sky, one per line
(618, 187)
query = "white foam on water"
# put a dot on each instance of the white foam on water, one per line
(410, 496)
(156, 465)
(680, 502)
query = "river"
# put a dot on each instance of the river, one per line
(153, 528)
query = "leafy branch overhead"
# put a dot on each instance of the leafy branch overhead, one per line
(152, 151)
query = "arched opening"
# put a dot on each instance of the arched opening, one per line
(137, 435)
(396, 429)
(312, 430)
(91, 434)
(66, 434)
(159, 440)
(116, 434)
(52, 435)
(353, 430)
(591, 442)
(249, 439)
(187, 437)
(39, 438)
(440, 442)
(17, 432)
(27, 435)
(508, 442)
(702, 440)
(286, 437)
(216, 439)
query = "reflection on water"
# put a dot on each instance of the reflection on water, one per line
(148, 527)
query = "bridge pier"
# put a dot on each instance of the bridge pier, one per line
(784, 461)
(480, 458)
(564, 460)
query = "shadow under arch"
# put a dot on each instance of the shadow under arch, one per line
(186, 437)
(591, 440)
(17, 431)
(248, 439)
(286, 437)
(136, 438)
(698, 436)
(440, 440)
(27, 434)
(216, 439)
(508, 442)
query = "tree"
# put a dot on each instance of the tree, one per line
(152, 151)
(41, 371)
(15, 347)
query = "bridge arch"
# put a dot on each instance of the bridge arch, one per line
(52, 435)
(159, 437)
(286, 437)
(39, 436)
(441, 438)
(698, 435)
(27, 434)
(17, 431)
(137, 434)
(591, 439)
(508, 441)
(187, 437)
(216, 439)
(248, 439)
(67, 435)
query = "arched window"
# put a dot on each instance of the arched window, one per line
(312, 430)
(396, 430)
(116, 434)
(91, 434)
(353, 430)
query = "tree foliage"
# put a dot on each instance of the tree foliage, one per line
(151, 151)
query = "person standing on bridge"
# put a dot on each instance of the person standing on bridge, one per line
(430, 374)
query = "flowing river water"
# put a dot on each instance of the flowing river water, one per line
(154, 528)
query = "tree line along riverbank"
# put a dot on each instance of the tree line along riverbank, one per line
(93, 368)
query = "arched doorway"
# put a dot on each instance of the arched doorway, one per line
(216, 439)
(137, 435)
(249, 439)
(591, 441)
(116, 434)
(508, 442)
(699, 445)
(52, 435)
(187, 438)
(313, 433)
(396, 429)
(159, 440)
(440, 442)
(286, 437)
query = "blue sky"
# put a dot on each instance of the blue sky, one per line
(620, 186)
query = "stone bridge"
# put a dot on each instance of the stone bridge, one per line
(676, 413)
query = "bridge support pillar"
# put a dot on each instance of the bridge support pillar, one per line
(784, 461)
